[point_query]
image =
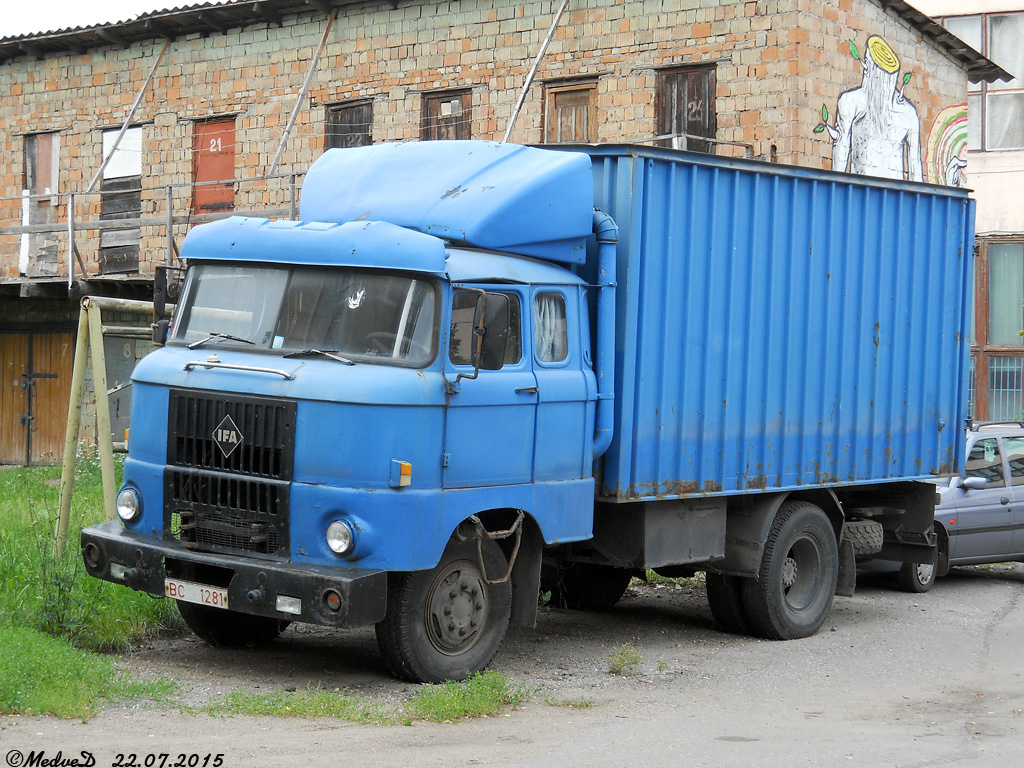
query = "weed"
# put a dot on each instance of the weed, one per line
(662, 665)
(42, 675)
(485, 694)
(624, 661)
(312, 702)
(578, 703)
(55, 595)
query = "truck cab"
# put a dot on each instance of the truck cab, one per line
(349, 408)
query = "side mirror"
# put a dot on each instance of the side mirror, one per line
(490, 354)
(972, 483)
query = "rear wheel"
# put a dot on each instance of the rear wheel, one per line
(793, 592)
(229, 629)
(446, 623)
(586, 586)
(916, 577)
(725, 596)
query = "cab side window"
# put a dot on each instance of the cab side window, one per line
(986, 461)
(550, 330)
(461, 338)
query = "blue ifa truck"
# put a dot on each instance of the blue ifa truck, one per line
(472, 369)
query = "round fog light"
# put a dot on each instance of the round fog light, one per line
(332, 600)
(128, 505)
(339, 537)
(92, 555)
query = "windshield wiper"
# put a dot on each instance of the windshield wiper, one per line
(331, 354)
(213, 336)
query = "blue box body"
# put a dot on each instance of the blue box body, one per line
(780, 327)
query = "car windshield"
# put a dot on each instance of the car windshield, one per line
(368, 315)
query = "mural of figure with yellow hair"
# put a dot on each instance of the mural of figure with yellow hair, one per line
(877, 131)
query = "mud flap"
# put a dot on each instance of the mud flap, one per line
(847, 569)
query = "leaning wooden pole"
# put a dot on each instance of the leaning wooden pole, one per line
(67, 475)
(104, 441)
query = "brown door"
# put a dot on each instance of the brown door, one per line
(213, 159)
(13, 398)
(34, 397)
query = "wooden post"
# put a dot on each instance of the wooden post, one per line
(67, 475)
(99, 383)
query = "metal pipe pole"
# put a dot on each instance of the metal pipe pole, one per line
(71, 241)
(533, 71)
(302, 94)
(128, 120)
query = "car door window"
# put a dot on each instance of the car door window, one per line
(985, 461)
(1014, 447)
(550, 330)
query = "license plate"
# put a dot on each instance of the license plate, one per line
(191, 592)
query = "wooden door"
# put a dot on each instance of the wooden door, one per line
(213, 159)
(52, 355)
(13, 398)
(36, 388)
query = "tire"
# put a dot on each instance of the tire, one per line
(586, 586)
(867, 536)
(230, 629)
(796, 582)
(446, 623)
(725, 596)
(916, 577)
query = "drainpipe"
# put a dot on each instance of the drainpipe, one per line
(607, 232)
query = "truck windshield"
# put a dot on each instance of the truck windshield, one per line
(365, 314)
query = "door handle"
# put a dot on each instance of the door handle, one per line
(526, 391)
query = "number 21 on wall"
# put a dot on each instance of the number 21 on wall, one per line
(216, 145)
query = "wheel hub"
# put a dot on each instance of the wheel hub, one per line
(789, 572)
(457, 608)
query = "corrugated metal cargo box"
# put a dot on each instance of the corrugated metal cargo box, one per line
(780, 327)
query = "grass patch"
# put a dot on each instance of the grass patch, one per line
(577, 703)
(486, 694)
(625, 660)
(43, 675)
(312, 702)
(54, 595)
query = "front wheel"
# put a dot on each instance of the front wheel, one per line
(446, 623)
(795, 584)
(229, 629)
(916, 577)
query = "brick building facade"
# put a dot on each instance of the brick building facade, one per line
(854, 84)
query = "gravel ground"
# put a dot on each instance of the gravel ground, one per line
(892, 679)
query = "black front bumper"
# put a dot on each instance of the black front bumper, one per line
(253, 585)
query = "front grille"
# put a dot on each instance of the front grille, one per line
(267, 428)
(230, 466)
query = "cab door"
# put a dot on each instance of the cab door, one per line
(984, 517)
(489, 439)
(563, 446)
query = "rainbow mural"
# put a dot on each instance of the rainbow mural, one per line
(946, 147)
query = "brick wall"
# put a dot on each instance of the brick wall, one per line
(778, 62)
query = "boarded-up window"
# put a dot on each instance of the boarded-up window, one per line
(686, 108)
(350, 125)
(122, 199)
(42, 161)
(447, 115)
(213, 160)
(570, 113)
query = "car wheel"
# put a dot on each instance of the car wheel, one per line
(916, 577)
(586, 586)
(229, 629)
(796, 582)
(725, 596)
(446, 623)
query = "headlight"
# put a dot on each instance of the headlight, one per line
(340, 537)
(128, 505)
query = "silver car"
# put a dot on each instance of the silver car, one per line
(981, 516)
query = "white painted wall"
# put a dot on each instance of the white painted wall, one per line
(964, 7)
